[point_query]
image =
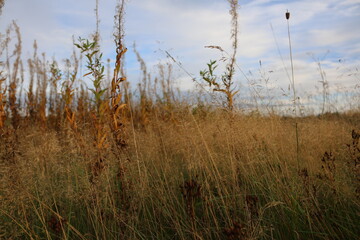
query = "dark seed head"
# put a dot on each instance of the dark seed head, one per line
(287, 15)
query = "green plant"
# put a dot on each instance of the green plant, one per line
(225, 83)
(95, 69)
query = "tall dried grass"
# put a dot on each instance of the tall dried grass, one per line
(103, 164)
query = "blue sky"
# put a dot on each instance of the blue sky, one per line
(327, 28)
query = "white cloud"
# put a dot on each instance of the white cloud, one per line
(184, 27)
(330, 37)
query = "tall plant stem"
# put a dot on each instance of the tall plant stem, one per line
(292, 63)
(287, 15)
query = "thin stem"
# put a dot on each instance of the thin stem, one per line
(293, 87)
(292, 68)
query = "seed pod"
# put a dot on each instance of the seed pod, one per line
(287, 15)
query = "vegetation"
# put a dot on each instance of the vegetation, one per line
(107, 164)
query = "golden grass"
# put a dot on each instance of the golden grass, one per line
(103, 164)
(222, 176)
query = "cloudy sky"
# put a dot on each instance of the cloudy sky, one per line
(325, 31)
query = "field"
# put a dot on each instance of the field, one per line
(105, 163)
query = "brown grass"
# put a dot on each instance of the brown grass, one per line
(103, 164)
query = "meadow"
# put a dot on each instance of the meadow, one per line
(100, 162)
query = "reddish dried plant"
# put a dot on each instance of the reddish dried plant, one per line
(236, 231)
(56, 224)
(2, 103)
(191, 191)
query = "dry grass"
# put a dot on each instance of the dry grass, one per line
(205, 178)
(104, 164)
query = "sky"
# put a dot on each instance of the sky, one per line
(325, 32)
